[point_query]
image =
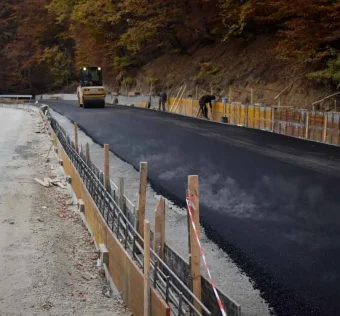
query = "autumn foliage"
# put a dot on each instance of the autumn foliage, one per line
(43, 42)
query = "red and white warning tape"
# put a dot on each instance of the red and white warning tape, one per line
(191, 210)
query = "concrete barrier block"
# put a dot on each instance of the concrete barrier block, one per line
(68, 179)
(104, 254)
(81, 206)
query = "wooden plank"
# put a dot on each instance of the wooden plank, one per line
(76, 136)
(159, 235)
(106, 166)
(87, 153)
(146, 268)
(121, 194)
(307, 126)
(143, 176)
(324, 134)
(193, 191)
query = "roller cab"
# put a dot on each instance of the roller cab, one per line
(91, 91)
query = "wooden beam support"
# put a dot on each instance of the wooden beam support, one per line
(143, 176)
(146, 268)
(75, 125)
(193, 191)
(87, 152)
(307, 126)
(106, 166)
(325, 121)
(159, 236)
(121, 194)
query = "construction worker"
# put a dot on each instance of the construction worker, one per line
(163, 97)
(203, 104)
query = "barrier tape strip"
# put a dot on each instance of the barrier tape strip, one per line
(191, 209)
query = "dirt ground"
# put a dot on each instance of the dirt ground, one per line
(47, 257)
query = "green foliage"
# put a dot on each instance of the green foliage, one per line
(207, 71)
(128, 80)
(305, 30)
(332, 71)
(59, 64)
(48, 38)
(151, 81)
(121, 63)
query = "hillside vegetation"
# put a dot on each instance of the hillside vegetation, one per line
(210, 43)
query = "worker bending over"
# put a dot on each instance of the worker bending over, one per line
(203, 104)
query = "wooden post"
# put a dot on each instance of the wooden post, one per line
(106, 167)
(146, 234)
(159, 236)
(211, 90)
(143, 175)
(193, 191)
(189, 237)
(230, 94)
(121, 194)
(251, 96)
(196, 92)
(273, 118)
(325, 121)
(76, 136)
(307, 126)
(87, 152)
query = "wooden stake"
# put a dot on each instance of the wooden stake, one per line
(121, 194)
(159, 236)
(106, 167)
(143, 175)
(251, 96)
(307, 126)
(76, 136)
(273, 118)
(196, 92)
(146, 234)
(179, 91)
(189, 240)
(87, 152)
(179, 100)
(230, 95)
(193, 191)
(325, 120)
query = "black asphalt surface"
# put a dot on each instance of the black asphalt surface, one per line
(271, 202)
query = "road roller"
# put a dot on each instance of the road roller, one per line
(91, 91)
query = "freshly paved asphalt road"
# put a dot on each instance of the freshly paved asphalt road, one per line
(270, 201)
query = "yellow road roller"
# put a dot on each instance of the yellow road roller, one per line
(91, 91)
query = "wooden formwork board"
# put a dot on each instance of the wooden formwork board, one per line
(127, 277)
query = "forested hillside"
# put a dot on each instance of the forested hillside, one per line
(139, 43)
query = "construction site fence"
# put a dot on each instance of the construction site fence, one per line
(170, 278)
(307, 124)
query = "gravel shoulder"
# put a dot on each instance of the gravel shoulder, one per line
(47, 257)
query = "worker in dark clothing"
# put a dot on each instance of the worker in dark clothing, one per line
(163, 97)
(203, 104)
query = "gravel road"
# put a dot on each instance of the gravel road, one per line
(47, 259)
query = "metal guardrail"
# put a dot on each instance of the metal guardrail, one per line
(178, 296)
(16, 96)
